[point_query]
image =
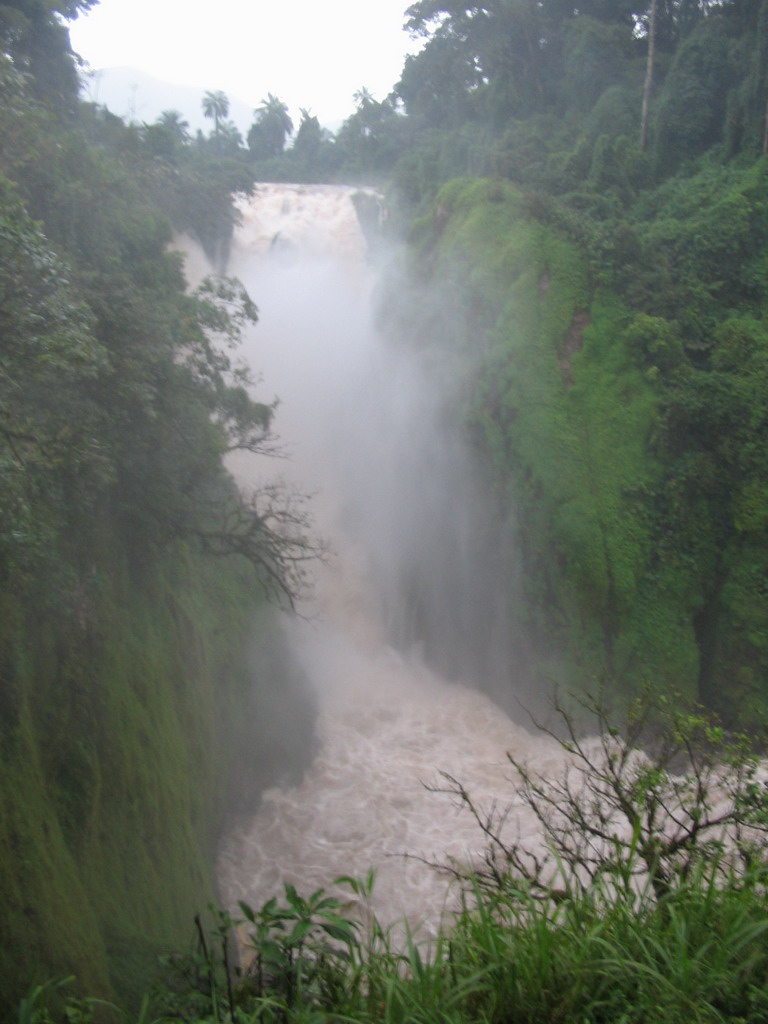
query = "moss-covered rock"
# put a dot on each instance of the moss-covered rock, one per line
(126, 717)
(564, 412)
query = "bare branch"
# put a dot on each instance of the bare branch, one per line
(620, 812)
(270, 528)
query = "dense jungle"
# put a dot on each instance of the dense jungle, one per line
(582, 194)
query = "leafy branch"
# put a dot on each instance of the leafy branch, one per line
(269, 526)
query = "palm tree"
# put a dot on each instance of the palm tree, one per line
(175, 124)
(216, 105)
(363, 98)
(275, 124)
(309, 137)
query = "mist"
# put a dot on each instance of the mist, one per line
(403, 625)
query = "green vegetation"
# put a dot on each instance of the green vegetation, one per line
(113, 726)
(650, 907)
(608, 294)
(600, 264)
(134, 627)
(565, 416)
(699, 955)
(621, 425)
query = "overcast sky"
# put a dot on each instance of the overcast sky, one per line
(310, 53)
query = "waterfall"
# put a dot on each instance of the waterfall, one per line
(393, 494)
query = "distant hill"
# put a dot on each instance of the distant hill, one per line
(136, 96)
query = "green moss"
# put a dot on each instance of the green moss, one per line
(115, 763)
(564, 413)
(739, 633)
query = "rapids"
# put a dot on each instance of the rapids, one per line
(392, 492)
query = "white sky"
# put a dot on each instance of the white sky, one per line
(310, 53)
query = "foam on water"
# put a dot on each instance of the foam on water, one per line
(362, 436)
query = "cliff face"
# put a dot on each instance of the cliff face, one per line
(629, 563)
(134, 656)
(119, 722)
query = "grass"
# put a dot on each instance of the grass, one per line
(114, 769)
(662, 923)
(700, 955)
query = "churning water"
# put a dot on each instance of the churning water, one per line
(393, 493)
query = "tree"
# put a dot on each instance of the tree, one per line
(176, 125)
(363, 98)
(117, 388)
(216, 105)
(32, 34)
(510, 44)
(271, 128)
(313, 146)
(309, 136)
(438, 84)
(693, 103)
(648, 85)
(227, 140)
(371, 139)
(167, 136)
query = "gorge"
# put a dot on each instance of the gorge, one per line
(364, 427)
(529, 424)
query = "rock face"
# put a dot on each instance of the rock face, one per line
(561, 416)
(114, 779)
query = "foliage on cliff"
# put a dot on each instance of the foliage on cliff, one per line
(132, 569)
(620, 406)
(607, 287)
(646, 904)
(610, 293)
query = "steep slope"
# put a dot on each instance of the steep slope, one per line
(629, 540)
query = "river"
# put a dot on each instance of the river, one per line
(392, 492)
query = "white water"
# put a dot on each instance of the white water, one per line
(394, 495)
